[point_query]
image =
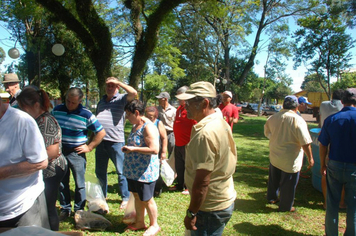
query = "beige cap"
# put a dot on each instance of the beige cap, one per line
(199, 89)
(10, 78)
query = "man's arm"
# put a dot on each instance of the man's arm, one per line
(322, 154)
(164, 140)
(98, 137)
(197, 196)
(131, 92)
(23, 168)
(308, 152)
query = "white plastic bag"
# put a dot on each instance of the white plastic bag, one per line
(130, 211)
(167, 173)
(95, 196)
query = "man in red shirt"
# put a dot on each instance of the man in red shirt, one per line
(229, 111)
(182, 128)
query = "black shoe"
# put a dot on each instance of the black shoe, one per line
(64, 215)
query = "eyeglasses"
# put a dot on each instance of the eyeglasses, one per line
(193, 100)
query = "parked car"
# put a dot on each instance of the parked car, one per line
(239, 107)
(251, 108)
(271, 110)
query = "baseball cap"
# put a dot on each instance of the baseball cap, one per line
(199, 89)
(291, 101)
(10, 78)
(349, 95)
(303, 100)
(163, 95)
(228, 93)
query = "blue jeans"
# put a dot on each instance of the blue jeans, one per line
(76, 165)
(212, 223)
(103, 152)
(340, 174)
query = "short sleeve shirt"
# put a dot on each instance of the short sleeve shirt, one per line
(111, 116)
(167, 116)
(75, 124)
(212, 148)
(21, 140)
(339, 130)
(287, 133)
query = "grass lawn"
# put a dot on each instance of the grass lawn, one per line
(252, 216)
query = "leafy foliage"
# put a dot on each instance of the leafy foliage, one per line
(347, 80)
(324, 45)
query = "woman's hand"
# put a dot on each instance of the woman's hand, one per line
(127, 149)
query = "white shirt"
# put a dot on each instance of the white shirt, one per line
(20, 140)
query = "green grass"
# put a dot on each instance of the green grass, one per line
(252, 216)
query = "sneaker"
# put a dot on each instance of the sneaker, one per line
(64, 215)
(185, 192)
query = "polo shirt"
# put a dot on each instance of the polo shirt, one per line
(339, 130)
(167, 116)
(212, 148)
(75, 124)
(287, 133)
(111, 116)
(182, 127)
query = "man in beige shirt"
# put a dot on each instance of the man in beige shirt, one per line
(210, 163)
(167, 113)
(288, 137)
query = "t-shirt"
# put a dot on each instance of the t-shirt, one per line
(328, 108)
(229, 111)
(182, 127)
(212, 148)
(111, 116)
(21, 140)
(287, 133)
(75, 124)
(167, 116)
(339, 130)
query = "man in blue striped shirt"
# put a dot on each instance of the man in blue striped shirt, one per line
(110, 113)
(75, 121)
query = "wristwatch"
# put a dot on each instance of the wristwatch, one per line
(190, 214)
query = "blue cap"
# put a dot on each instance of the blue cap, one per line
(303, 100)
(291, 100)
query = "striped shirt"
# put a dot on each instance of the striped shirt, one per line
(75, 125)
(112, 116)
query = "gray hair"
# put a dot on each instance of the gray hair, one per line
(75, 92)
(182, 89)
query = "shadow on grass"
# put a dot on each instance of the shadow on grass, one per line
(257, 177)
(250, 229)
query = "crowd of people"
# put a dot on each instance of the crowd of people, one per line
(39, 149)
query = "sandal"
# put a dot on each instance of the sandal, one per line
(123, 205)
(132, 228)
(150, 232)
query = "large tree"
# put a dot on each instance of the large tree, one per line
(323, 45)
(269, 13)
(81, 17)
